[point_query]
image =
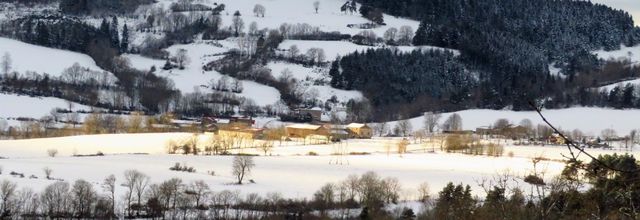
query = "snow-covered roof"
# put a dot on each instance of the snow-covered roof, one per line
(339, 132)
(356, 125)
(304, 126)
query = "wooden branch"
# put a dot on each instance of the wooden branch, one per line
(572, 145)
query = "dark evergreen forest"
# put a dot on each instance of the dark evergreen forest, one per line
(506, 47)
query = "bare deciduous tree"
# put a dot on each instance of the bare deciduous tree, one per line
(608, 134)
(83, 198)
(7, 192)
(55, 198)
(293, 51)
(405, 35)
(316, 6)
(424, 192)
(431, 121)
(242, 166)
(237, 23)
(109, 186)
(453, 123)
(404, 128)
(135, 182)
(198, 190)
(259, 10)
(390, 35)
(6, 63)
(182, 58)
(47, 172)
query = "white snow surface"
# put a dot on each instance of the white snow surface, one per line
(630, 53)
(29, 57)
(622, 84)
(328, 19)
(287, 171)
(332, 49)
(193, 77)
(589, 120)
(13, 106)
(308, 75)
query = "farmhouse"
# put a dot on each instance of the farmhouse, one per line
(314, 113)
(214, 124)
(304, 130)
(240, 133)
(359, 130)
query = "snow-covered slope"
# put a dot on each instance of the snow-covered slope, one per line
(329, 18)
(332, 49)
(621, 84)
(309, 77)
(193, 77)
(14, 106)
(630, 53)
(589, 120)
(28, 57)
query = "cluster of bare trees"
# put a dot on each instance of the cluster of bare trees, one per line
(259, 10)
(313, 56)
(403, 36)
(158, 18)
(220, 144)
(368, 191)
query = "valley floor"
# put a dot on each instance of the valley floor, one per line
(288, 169)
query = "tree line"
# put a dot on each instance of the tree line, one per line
(561, 197)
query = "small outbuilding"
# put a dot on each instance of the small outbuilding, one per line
(304, 130)
(357, 130)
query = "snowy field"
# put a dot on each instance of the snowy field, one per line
(28, 57)
(288, 171)
(591, 121)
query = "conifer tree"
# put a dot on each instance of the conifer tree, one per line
(124, 44)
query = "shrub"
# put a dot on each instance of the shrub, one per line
(495, 150)
(359, 153)
(312, 153)
(183, 168)
(52, 152)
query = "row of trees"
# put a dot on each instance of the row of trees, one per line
(542, 198)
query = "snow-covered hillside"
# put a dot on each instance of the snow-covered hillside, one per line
(27, 57)
(627, 53)
(620, 84)
(329, 18)
(333, 49)
(589, 120)
(13, 106)
(193, 77)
